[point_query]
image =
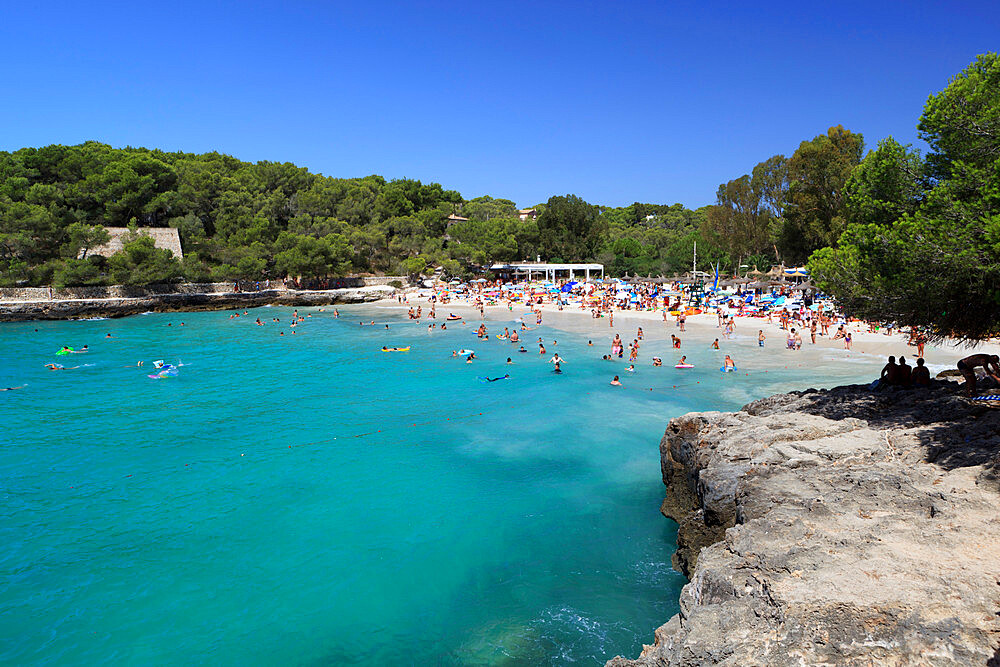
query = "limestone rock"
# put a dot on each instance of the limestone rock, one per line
(840, 527)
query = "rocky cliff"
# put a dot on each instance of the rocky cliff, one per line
(840, 527)
(183, 301)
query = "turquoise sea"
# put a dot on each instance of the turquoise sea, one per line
(309, 499)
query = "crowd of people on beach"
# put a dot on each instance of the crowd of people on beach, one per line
(799, 323)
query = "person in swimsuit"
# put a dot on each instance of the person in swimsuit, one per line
(729, 363)
(616, 382)
(967, 367)
(890, 372)
(921, 377)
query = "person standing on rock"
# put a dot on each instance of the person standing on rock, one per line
(967, 367)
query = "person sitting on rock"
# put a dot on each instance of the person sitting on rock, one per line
(967, 367)
(890, 373)
(905, 373)
(921, 377)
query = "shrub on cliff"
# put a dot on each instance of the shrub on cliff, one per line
(141, 263)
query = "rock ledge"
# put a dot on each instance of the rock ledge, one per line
(839, 527)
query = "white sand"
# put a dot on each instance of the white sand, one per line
(701, 330)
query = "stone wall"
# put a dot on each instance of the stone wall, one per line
(385, 280)
(163, 237)
(28, 294)
(111, 291)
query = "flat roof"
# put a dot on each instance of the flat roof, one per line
(525, 266)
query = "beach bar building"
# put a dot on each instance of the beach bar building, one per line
(551, 272)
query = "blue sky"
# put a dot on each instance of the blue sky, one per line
(615, 102)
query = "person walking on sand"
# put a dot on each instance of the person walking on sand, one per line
(760, 338)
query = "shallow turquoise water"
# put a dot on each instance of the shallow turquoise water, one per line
(309, 499)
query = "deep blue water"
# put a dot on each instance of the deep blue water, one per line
(309, 499)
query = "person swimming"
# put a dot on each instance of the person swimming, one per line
(631, 368)
(522, 349)
(616, 382)
(505, 377)
(13, 388)
(657, 361)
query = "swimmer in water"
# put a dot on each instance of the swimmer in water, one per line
(469, 359)
(522, 349)
(59, 367)
(657, 361)
(616, 382)
(557, 369)
(715, 345)
(631, 368)
(13, 388)
(108, 336)
(509, 361)
(729, 364)
(505, 377)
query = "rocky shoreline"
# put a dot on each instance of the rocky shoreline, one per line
(835, 527)
(164, 303)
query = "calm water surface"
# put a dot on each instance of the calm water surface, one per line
(310, 499)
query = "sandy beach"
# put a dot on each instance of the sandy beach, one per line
(700, 331)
